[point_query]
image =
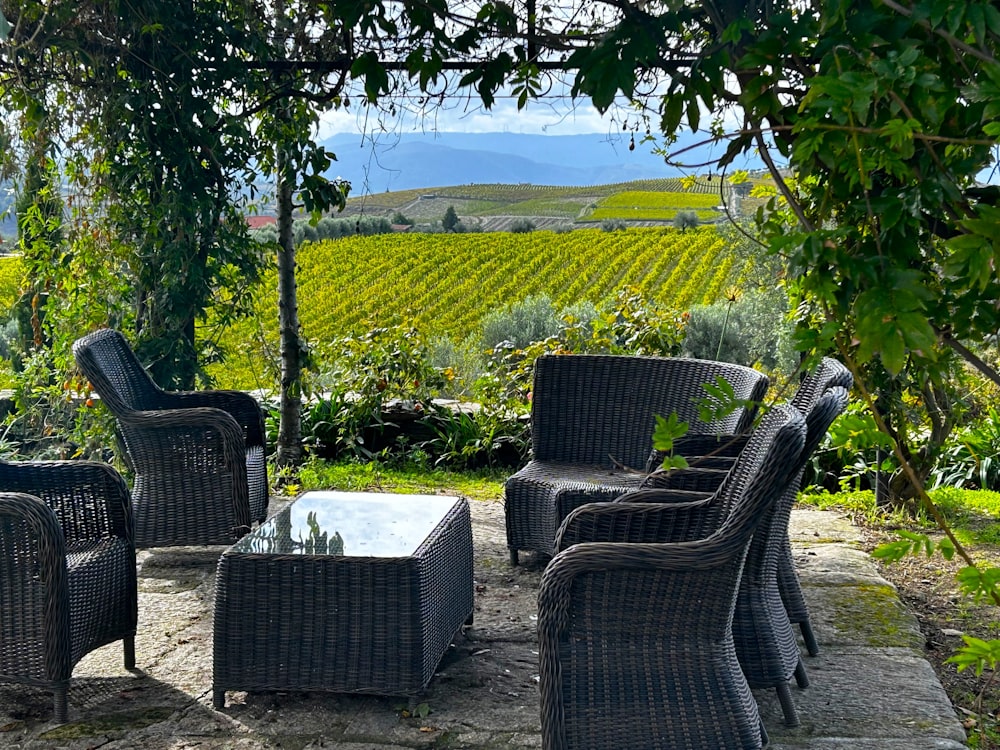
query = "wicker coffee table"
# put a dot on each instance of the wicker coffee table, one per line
(346, 592)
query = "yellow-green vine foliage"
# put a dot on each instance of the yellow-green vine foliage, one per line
(444, 284)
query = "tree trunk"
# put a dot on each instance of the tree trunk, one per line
(289, 448)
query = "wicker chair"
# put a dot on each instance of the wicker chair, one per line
(592, 420)
(718, 453)
(765, 643)
(829, 374)
(626, 657)
(198, 457)
(68, 581)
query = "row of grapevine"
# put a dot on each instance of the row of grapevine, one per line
(659, 199)
(446, 283)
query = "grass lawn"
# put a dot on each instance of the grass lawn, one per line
(416, 479)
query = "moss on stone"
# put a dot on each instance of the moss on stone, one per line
(117, 722)
(873, 613)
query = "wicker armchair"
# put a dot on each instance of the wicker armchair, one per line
(592, 420)
(829, 374)
(198, 457)
(765, 643)
(716, 454)
(68, 582)
(626, 658)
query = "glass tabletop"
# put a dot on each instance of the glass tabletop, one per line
(351, 524)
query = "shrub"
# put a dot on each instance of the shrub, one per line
(751, 330)
(685, 220)
(398, 218)
(613, 225)
(521, 226)
(531, 319)
(383, 370)
(970, 458)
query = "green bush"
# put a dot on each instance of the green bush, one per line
(716, 332)
(750, 330)
(523, 322)
(971, 458)
(521, 226)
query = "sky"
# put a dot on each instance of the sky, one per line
(555, 115)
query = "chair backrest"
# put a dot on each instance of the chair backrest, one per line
(763, 556)
(115, 373)
(597, 409)
(827, 374)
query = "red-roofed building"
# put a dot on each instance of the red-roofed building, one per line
(258, 222)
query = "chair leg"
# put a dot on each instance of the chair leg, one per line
(764, 739)
(801, 678)
(129, 646)
(810, 640)
(787, 706)
(513, 557)
(60, 702)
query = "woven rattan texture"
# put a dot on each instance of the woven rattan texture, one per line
(67, 570)
(343, 624)
(594, 414)
(198, 457)
(762, 628)
(635, 638)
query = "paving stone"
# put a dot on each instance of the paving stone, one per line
(871, 687)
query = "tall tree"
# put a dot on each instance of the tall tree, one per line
(142, 88)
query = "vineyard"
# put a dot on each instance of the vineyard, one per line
(445, 283)
(475, 201)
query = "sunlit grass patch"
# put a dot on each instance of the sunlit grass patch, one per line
(351, 476)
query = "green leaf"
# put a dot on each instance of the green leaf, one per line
(4, 28)
(946, 548)
(667, 430)
(977, 654)
(892, 551)
(675, 462)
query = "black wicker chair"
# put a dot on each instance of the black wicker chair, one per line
(592, 420)
(635, 613)
(716, 453)
(198, 457)
(765, 642)
(67, 571)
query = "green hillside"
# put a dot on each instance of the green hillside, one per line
(486, 203)
(446, 283)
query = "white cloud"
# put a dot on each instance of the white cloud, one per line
(553, 114)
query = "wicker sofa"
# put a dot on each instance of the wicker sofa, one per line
(592, 420)
(198, 458)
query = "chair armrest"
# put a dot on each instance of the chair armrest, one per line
(692, 479)
(88, 499)
(699, 562)
(709, 450)
(243, 407)
(35, 552)
(662, 495)
(194, 420)
(639, 523)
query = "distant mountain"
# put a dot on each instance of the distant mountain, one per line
(418, 160)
